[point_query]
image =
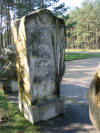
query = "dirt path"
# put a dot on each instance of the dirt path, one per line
(76, 80)
(78, 75)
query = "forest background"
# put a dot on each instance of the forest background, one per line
(82, 24)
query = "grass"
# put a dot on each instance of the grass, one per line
(16, 122)
(69, 56)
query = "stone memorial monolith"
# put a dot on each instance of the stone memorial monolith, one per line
(94, 100)
(40, 44)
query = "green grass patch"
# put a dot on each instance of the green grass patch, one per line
(15, 122)
(69, 56)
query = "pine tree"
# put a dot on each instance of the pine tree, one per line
(86, 31)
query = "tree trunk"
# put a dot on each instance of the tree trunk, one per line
(8, 25)
(1, 27)
(87, 45)
(97, 45)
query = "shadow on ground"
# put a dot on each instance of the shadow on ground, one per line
(75, 118)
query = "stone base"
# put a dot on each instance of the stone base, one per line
(43, 111)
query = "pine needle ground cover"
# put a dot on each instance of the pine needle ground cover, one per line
(69, 56)
(11, 120)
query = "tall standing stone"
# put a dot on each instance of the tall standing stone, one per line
(40, 44)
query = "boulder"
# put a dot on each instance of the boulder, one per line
(94, 100)
(40, 42)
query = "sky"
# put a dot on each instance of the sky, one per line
(73, 3)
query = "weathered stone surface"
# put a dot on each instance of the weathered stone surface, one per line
(43, 111)
(40, 43)
(94, 100)
(8, 76)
